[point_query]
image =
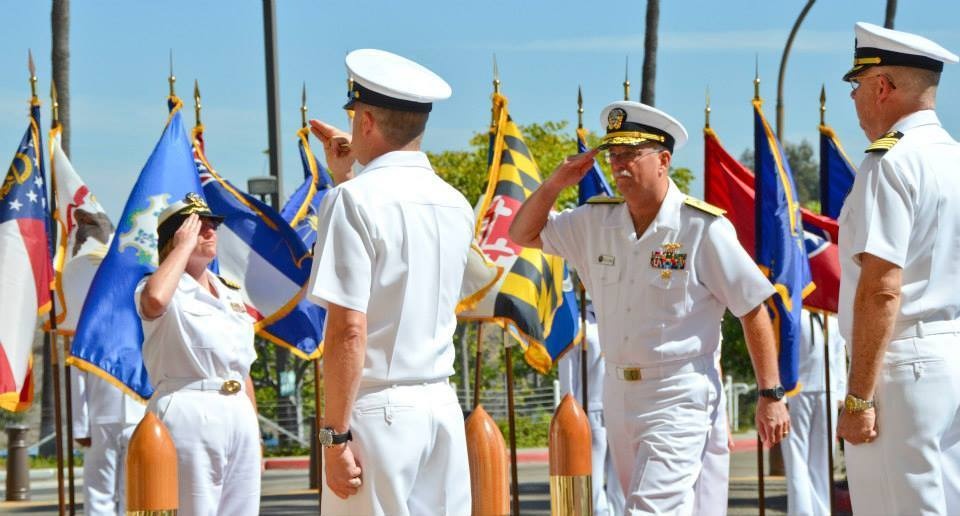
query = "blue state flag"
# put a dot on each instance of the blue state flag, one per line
(594, 183)
(257, 248)
(565, 330)
(780, 246)
(300, 210)
(836, 173)
(109, 336)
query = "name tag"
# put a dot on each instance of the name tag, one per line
(606, 259)
(238, 307)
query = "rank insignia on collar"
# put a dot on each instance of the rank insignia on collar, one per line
(668, 258)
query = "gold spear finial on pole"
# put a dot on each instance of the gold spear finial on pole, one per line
(33, 74)
(706, 111)
(303, 106)
(823, 104)
(171, 78)
(579, 107)
(496, 75)
(626, 80)
(756, 78)
(196, 101)
(55, 105)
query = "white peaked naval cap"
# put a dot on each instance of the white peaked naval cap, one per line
(877, 46)
(383, 79)
(633, 123)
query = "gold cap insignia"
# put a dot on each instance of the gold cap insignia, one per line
(615, 119)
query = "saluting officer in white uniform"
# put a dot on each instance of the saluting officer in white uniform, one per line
(103, 421)
(805, 451)
(391, 250)
(661, 268)
(197, 348)
(607, 493)
(900, 284)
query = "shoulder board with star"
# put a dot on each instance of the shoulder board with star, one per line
(885, 142)
(604, 199)
(229, 283)
(704, 206)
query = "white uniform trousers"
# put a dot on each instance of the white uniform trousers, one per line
(712, 488)
(913, 467)
(104, 472)
(658, 431)
(411, 445)
(805, 454)
(218, 450)
(607, 493)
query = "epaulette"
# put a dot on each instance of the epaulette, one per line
(230, 283)
(604, 199)
(704, 206)
(885, 142)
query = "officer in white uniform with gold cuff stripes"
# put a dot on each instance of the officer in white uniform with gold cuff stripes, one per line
(197, 348)
(389, 260)
(900, 284)
(661, 268)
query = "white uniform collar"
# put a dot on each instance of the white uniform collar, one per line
(667, 217)
(916, 119)
(398, 159)
(189, 284)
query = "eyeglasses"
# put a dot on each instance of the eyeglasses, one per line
(209, 224)
(855, 83)
(628, 156)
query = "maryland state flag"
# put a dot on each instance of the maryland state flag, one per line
(524, 299)
(836, 173)
(25, 267)
(780, 246)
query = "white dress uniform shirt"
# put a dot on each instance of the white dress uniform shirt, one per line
(904, 208)
(392, 242)
(805, 449)
(105, 415)
(197, 344)
(667, 323)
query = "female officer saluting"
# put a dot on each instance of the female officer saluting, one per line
(198, 347)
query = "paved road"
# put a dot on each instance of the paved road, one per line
(285, 491)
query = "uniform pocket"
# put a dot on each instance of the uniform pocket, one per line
(670, 293)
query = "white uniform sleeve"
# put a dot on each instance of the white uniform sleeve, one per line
(78, 398)
(564, 235)
(886, 215)
(343, 255)
(726, 269)
(150, 325)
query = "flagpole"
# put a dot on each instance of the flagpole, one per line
(826, 352)
(761, 499)
(50, 337)
(582, 289)
(511, 422)
(67, 383)
(477, 365)
(626, 89)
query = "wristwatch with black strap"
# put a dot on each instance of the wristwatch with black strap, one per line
(329, 437)
(775, 393)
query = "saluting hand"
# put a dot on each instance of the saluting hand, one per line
(858, 428)
(572, 170)
(773, 421)
(343, 470)
(188, 234)
(336, 147)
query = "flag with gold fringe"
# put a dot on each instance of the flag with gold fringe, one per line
(525, 298)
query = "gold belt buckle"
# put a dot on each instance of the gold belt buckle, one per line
(231, 387)
(630, 374)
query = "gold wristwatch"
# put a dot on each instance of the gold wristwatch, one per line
(855, 405)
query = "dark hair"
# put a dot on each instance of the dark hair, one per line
(399, 128)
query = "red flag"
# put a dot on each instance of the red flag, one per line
(729, 185)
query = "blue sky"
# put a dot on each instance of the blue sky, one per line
(545, 49)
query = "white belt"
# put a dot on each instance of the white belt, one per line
(698, 364)
(207, 384)
(921, 329)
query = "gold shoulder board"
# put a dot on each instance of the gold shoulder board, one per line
(885, 142)
(230, 283)
(604, 199)
(704, 206)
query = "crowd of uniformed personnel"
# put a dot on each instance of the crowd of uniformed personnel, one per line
(391, 251)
